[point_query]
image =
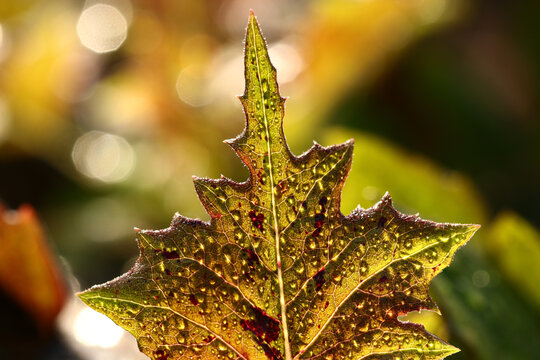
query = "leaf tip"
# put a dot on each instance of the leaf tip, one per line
(469, 229)
(83, 296)
(252, 18)
(91, 299)
(253, 23)
(232, 143)
(452, 350)
(386, 200)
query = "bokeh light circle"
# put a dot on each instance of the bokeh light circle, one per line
(102, 156)
(102, 28)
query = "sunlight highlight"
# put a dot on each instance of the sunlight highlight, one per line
(432, 10)
(4, 44)
(191, 86)
(106, 157)
(94, 329)
(288, 60)
(5, 120)
(102, 28)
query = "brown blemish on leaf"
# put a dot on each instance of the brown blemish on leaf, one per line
(169, 255)
(257, 219)
(319, 279)
(266, 330)
(193, 300)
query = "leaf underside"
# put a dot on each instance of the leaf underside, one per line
(279, 272)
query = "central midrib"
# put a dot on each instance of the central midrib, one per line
(283, 305)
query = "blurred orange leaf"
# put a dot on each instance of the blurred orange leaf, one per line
(28, 271)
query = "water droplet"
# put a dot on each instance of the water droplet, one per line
(291, 214)
(299, 267)
(364, 268)
(236, 216)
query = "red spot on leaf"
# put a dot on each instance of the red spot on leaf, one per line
(319, 279)
(252, 257)
(319, 220)
(257, 219)
(272, 353)
(263, 326)
(193, 300)
(265, 330)
(161, 355)
(260, 177)
(320, 217)
(170, 255)
(209, 339)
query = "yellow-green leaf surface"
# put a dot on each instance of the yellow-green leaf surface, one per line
(279, 272)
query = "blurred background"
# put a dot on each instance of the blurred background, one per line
(108, 107)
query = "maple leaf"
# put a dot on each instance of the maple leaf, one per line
(279, 272)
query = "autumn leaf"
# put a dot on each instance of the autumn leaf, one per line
(28, 270)
(279, 272)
